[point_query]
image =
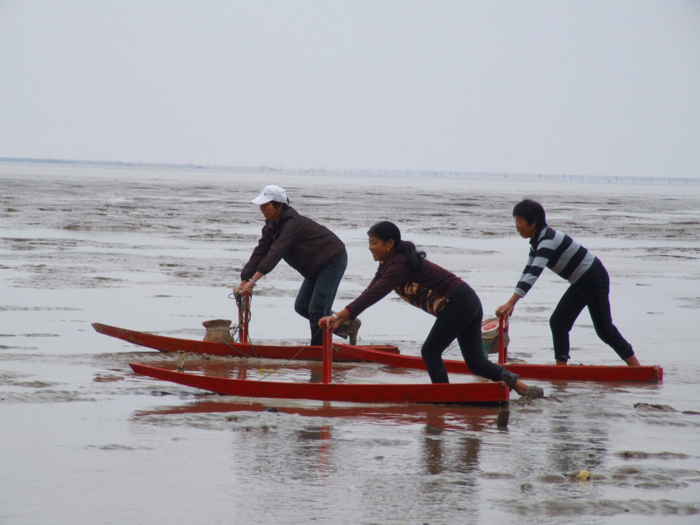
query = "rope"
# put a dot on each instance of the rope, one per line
(283, 364)
(245, 314)
(239, 350)
(288, 360)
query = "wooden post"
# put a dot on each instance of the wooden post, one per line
(327, 355)
(502, 348)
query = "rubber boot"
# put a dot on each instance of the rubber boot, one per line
(353, 327)
(349, 330)
(342, 330)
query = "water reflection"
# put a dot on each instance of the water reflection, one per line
(365, 451)
(579, 439)
(319, 437)
(472, 418)
(441, 455)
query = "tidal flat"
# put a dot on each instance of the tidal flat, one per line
(85, 441)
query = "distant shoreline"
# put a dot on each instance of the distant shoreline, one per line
(426, 174)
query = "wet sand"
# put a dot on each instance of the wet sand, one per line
(83, 440)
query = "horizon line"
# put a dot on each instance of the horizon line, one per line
(368, 171)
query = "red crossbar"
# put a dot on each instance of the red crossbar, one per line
(327, 355)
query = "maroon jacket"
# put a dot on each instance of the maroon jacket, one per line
(304, 244)
(434, 282)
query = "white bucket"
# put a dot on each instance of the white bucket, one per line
(489, 335)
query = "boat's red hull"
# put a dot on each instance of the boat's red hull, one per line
(173, 344)
(650, 374)
(481, 392)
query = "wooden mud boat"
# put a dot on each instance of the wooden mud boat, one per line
(648, 374)
(474, 392)
(603, 373)
(239, 349)
(243, 348)
(446, 393)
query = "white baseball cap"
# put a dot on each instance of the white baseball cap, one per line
(271, 193)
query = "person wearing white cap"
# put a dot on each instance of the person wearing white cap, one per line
(308, 247)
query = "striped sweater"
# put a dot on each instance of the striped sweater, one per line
(558, 252)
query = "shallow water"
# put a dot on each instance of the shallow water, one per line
(83, 440)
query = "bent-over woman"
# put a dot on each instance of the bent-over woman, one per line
(308, 247)
(437, 291)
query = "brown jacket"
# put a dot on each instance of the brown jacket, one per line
(432, 282)
(304, 244)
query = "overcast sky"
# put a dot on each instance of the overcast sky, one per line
(601, 87)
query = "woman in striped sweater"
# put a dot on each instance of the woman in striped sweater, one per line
(590, 283)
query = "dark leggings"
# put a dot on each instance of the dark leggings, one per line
(461, 320)
(593, 291)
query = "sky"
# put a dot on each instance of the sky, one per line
(591, 87)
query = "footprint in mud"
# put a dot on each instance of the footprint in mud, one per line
(651, 407)
(654, 407)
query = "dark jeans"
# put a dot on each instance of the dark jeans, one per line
(316, 296)
(461, 320)
(593, 291)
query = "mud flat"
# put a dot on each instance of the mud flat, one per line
(83, 440)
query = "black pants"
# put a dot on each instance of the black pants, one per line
(593, 291)
(461, 320)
